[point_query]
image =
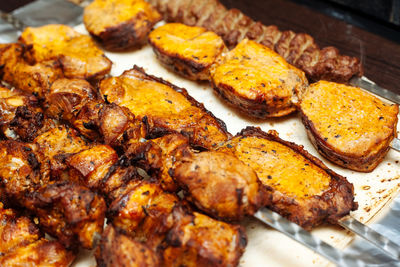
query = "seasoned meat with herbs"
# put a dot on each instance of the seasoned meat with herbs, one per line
(189, 51)
(120, 25)
(347, 125)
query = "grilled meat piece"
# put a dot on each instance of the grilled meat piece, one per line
(70, 212)
(116, 249)
(348, 126)
(299, 49)
(78, 54)
(189, 51)
(257, 81)
(34, 78)
(42, 253)
(164, 107)
(120, 25)
(220, 185)
(16, 231)
(198, 240)
(303, 189)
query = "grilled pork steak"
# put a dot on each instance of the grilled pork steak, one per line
(348, 126)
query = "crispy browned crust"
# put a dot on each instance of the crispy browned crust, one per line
(116, 249)
(233, 26)
(332, 205)
(363, 164)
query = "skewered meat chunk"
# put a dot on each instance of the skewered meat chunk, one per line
(70, 212)
(119, 25)
(42, 253)
(116, 249)
(198, 240)
(189, 51)
(34, 78)
(257, 81)
(299, 49)
(220, 185)
(164, 107)
(304, 190)
(16, 231)
(348, 126)
(78, 54)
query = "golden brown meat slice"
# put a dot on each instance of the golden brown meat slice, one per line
(220, 185)
(348, 126)
(304, 190)
(22, 169)
(78, 53)
(257, 81)
(144, 212)
(70, 212)
(120, 25)
(35, 78)
(16, 231)
(42, 253)
(56, 145)
(157, 156)
(116, 250)
(189, 51)
(164, 107)
(198, 240)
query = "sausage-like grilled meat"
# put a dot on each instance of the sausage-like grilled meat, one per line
(299, 49)
(70, 212)
(189, 51)
(120, 25)
(257, 81)
(348, 126)
(198, 240)
(34, 78)
(77, 53)
(164, 107)
(42, 253)
(220, 185)
(117, 249)
(304, 190)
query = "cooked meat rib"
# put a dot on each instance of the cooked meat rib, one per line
(233, 26)
(70, 212)
(303, 189)
(189, 51)
(42, 253)
(257, 81)
(22, 243)
(348, 126)
(120, 25)
(164, 107)
(77, 53)
(117, 249)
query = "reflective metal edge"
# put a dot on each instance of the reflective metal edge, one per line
(369, 234)
(369, 85)
(395, 144)
(300, 235)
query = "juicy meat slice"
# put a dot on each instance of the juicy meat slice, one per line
(347, 125)
(16, 231)
(233, 26)
(77, 53)
(257, 81)
(117, 250)
(303, 189)
(198, 240)
(120, 25)
(220, 184)
(70, 212)
(189, 51)
(35, 78)
(164, 107)
(42, 253)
